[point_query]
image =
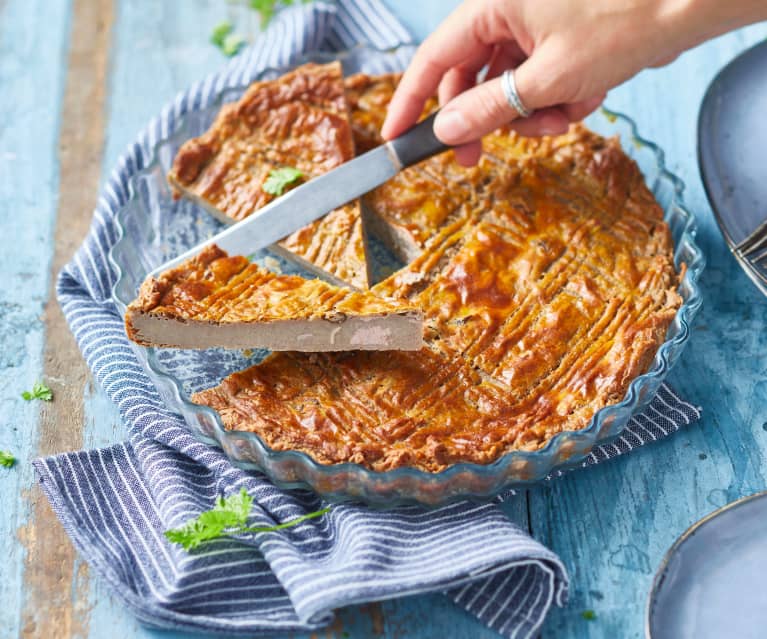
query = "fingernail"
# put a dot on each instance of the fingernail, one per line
(548, 129)
(451, 127)
(553, 127)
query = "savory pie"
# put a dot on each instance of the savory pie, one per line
(214, 300)
(547, 282)
(301, 121)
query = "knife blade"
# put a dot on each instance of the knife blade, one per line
(320, 195)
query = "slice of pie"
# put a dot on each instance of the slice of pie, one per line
(545, 292)
(299, 120)
(214, 300)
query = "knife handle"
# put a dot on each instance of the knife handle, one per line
(418, 143)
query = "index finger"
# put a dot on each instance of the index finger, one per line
(454, 43)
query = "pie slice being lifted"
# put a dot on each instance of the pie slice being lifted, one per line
(299, 120)
(214, 300)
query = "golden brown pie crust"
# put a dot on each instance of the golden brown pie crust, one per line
(547, 282)
(300, 120)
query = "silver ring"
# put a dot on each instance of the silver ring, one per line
(512, 97)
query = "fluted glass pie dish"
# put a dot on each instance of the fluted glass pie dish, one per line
(154, 227)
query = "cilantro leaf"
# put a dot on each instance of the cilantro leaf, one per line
(237, 506)
(39, 391)
(229, 43)
(279, 179)
(232, 44)
(589, 615)
(220, 31)
(228, 517)
(209, 525)
(6, 459)
(229, 512)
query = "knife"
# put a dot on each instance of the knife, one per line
(320, 195)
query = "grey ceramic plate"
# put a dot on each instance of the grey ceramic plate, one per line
(711, 582)
(732, 151)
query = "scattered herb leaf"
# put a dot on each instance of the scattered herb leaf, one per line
(228, 517)
(229, 43)
(589, 615)
(6, 459)
(279, 179)
(232, 44)
(220, 31)
(39, 391)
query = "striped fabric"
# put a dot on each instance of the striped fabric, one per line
(116, 502)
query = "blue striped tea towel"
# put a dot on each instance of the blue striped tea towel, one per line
(116, 502)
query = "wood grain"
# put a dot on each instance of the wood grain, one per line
(32, 75)
(49, 571)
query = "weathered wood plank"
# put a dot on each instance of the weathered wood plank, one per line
(612, 524)
(31, 78)
(50, 579)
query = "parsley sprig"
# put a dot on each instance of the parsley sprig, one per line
(228, 517)
(7, 459)
(39, 391)
(220, 31)
(279, 179)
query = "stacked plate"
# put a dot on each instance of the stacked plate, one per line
(732, 151)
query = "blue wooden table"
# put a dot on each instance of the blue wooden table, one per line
(77, 81)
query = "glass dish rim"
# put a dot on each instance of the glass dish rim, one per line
(630, 401)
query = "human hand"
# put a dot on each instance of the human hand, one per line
(566, 54)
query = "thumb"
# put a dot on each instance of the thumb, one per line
(484, 108)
